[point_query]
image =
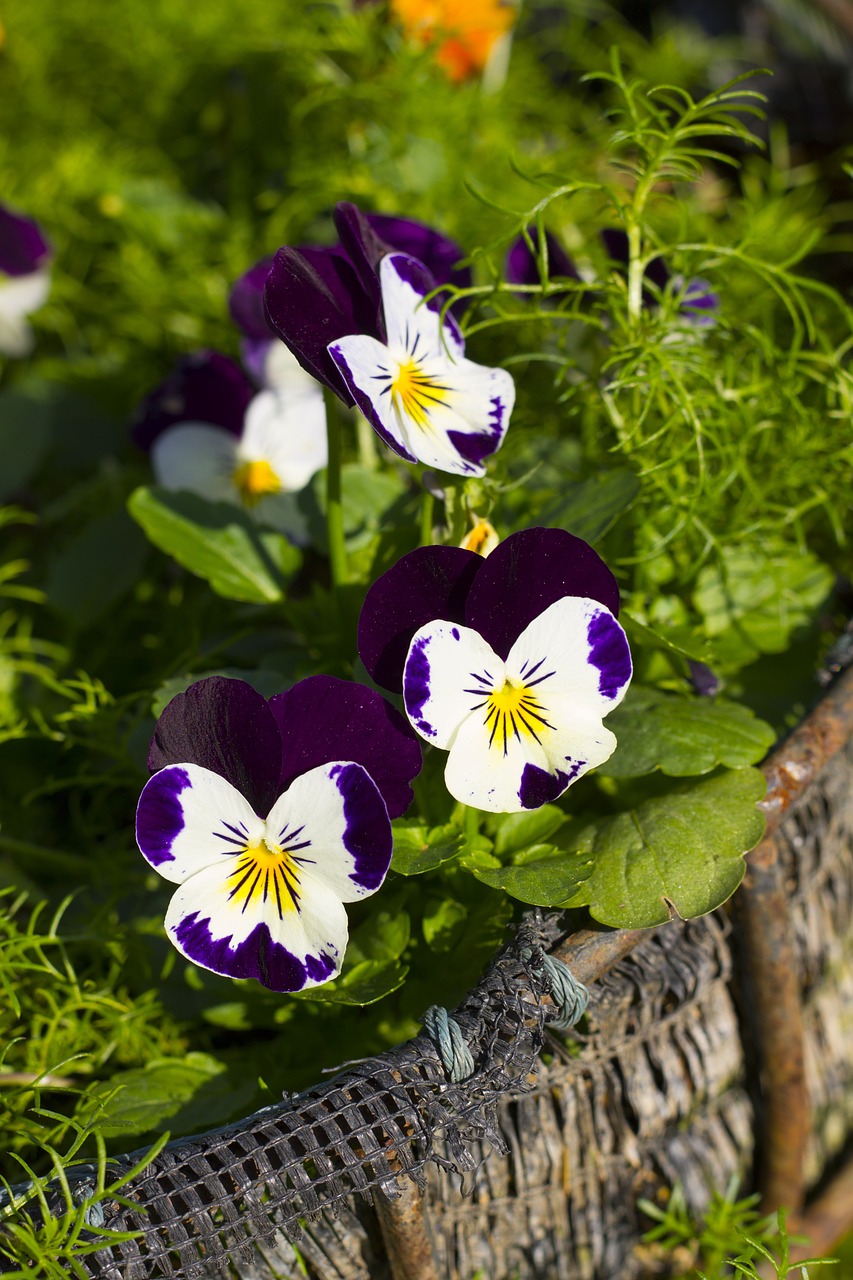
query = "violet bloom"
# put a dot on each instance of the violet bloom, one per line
(269, 816)
(698, 302)
(208, 432)
(522, 266)
(265, 357)
(24, 280)
(356, 318)
(508, 663)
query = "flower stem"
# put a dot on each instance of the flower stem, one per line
(635, 272)
(427, 506)
(334, 503)
(472, 824)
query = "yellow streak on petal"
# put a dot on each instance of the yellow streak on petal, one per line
(254, 480)
(264, 877)
(512, 711)
(415, 393)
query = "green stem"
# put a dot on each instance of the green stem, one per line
(472, 824)
(334, 503)
(635, 273)
(427, 507)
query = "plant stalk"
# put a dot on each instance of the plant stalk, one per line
(334, 501)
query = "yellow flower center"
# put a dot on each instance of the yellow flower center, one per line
(262, 874)
(415, 393)
(512, 711)
(254, 480)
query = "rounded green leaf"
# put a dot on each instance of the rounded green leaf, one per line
(680, 854)
(683, 736)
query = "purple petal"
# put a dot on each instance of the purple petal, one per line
(700, 302)
(414, 273)
(703, 679)
(437, 252)
(203, 387)
(528, 572)
(246, 301)
(253, 353)
(615, 242)
(312, 297)
(362, 246)
(226, 726)
(322, 719)
(258, 956)
(522, 266)
(430, 583)
(23, 248)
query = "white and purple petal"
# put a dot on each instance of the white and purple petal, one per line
(336, 818)
(19, 297)
(450, 672)
(203, 387)
(284, 944)
(189, 818)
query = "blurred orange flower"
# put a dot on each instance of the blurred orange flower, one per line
(466, 32)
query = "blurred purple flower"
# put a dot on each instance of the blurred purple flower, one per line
(24, 279)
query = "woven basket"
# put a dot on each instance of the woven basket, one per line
(710, 1048)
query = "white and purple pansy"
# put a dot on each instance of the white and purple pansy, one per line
(314, 295)
(24, 280)
(424, 399)
(508, 663)
(266, 359)
(207, 431)
(270, 816)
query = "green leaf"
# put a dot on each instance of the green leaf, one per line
(266, 682)
(516, 831)
(680, 641)
(550, 878)
(683, 736)
(365, 983)
(443, 923)
(384, 935)
(678, 854)
(761, 596)
(418, 848)
(191, 1092)
(26, 432)
(589, 508)
(217, 542)
(96, 568)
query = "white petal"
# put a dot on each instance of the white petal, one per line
(289, 432)
(410, 323)
(189, 818)
(283, 372)
(260, 931)
(16, 337)
(367, 369)
(449, 673)
(196, 457)
(21, 295)
(575, 657)
(335, 824)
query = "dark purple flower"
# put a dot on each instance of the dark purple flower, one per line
(204, 387)
(24, 280)
(508, 663)
(246, 301)
(522, 266)
(269, 816)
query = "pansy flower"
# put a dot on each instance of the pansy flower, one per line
(508, 663)
(24, 280)
(208, 432)
(270, 816)
(313, 295)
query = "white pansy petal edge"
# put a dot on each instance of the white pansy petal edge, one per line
(198, 458)
(263, 898)
(287, 430)
(427, 402)
(19, 297)
(520, 731)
